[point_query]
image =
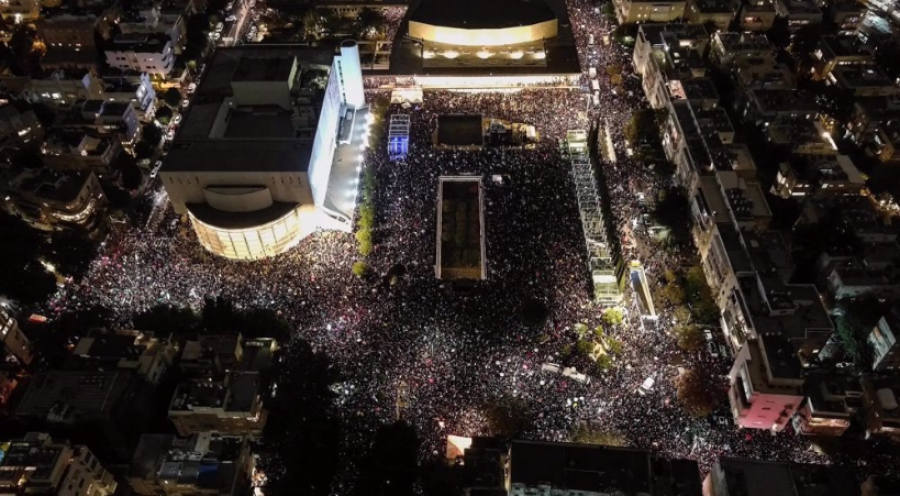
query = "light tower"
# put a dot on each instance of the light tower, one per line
(351, 75)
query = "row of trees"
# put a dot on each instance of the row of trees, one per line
(366, 221)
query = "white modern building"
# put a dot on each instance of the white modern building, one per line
(270, 151)
(141, 52)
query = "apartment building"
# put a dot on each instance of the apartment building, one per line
(38, 465)
(846, 16)
(18, 11)
(638, 11)
(764, 106)
(153, 54)
(799, 13)
(762, 74)
(128, 350)
(834, 51)
(830, 404)
(863, 81)
(726, 49)
(883, 342)
(672, 72)
(757, 15)
(150, 19)
(16, 345)
(74, 150)
(231, 406)
(54, 201)
(69, 40)
(882, 417)
(18, 123)
(801, 137)
(819, 176)
(870, 113)
(766, 384)
(885, 143)
(742, 477)
(718, 13)
(203, 464)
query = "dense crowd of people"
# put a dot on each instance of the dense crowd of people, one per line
(439, 357)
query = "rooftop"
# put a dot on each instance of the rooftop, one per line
(460, 130)
(51, 185)
(140, 42)
(861, 77)
(66, 395)
(832, 46)
(477, 14)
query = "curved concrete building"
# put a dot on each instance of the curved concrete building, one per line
(483, 23)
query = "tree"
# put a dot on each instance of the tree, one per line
(614, 346)
(689, 337)
(672, 210)
(699, 392)
(164, 115)
(151, 135)
(364, 236)
(369, 23)
(584, 347)
(613, 316)
(598, 332)
(131, 173)
(172, 97)
(71, 254)
(365, 248)
(507, 417)
(360, 268)
(604, 363)
(22, 276)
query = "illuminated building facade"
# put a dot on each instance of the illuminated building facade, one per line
(56, 201)
(475, 44)
(39, 465)
(252, 164)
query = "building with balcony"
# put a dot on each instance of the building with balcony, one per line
(269, 151)
(74, 150)
(134, 88)
(863, 81)
(212, 353)
(675, 73)
(719, 13)
(769, 105)
(881, 406)
(799, 13)
(230, 406)
(148, 356)
(846, 16)
(637, 11)
(203, 464)
(885, 143)
(653, 37)
(757, 15)
(763, 74)
(854, 279)
(766, 384)
(831, 402)
(570, 468)
(38, 465)
(153, 54)
(835, 51)
(726, 49)
(65, 87)
(55, 201)
(818, 175)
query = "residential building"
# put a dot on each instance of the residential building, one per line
(719, 13)
(69, 40)
(148, 356)
(153, 54)
(18, 123)
(834, 51)
(846, 16)
(799, 13)
(570, 468)
(149, 19)
(818, 175)
(135, 88)
(65, 87)
(212, 353)
(16, 345)
(726, 49)
(107, 117)
(78, 151)
(869, 113)
(741, 477)
(883, 342)
(267, 154)
(863, 81)
(54, 201)
(757, 15)
(881, 406)
(653, 37)
(230, 406)
(831, 402)
(671, 72)
(766, 384)
(762, 74)
(351, 9)
(107, 410)
(801, 137)
(38, 465)
(763, 106)
(636, 11)
(18, 11)
(854, 279)
(203, 464)
(885, 143)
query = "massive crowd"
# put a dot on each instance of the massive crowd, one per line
(454, 355)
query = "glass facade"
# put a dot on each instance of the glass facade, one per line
(250, 243)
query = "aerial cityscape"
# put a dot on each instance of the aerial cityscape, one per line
(450, 247)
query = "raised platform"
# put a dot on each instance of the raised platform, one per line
(460, 229)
